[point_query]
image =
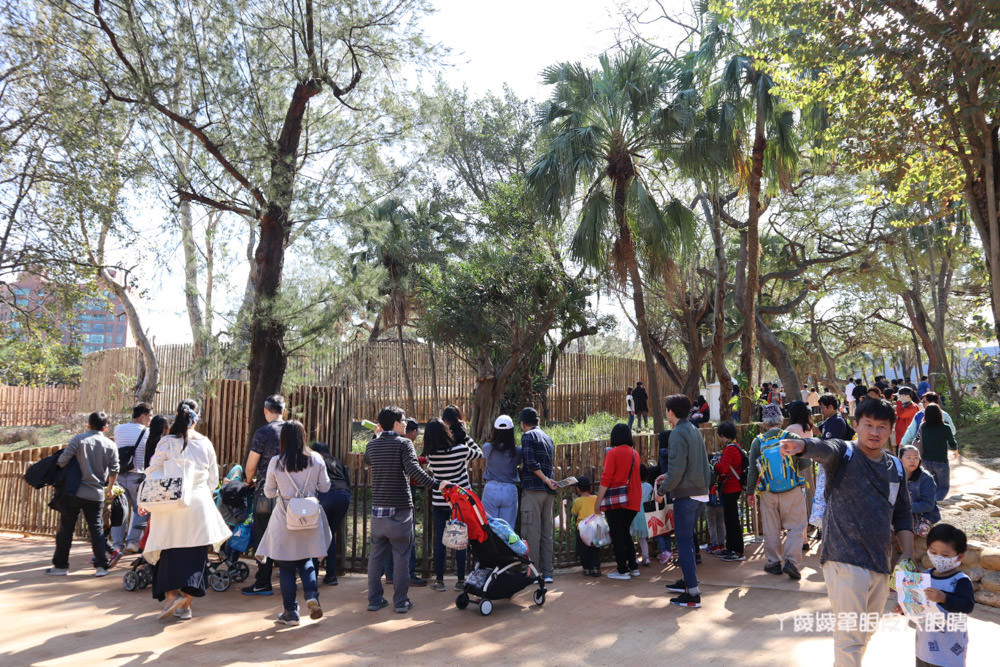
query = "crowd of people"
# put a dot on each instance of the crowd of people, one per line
(840, 484)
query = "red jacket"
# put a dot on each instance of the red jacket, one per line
(616, 471)
(731, 458)
(904, 415)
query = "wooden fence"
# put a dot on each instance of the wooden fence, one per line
(36, 406)
(582, 385)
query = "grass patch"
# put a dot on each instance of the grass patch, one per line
(981, 441)
(595, 427)
(43, 436)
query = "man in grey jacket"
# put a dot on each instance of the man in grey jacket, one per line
(98, 460)
(687, 480)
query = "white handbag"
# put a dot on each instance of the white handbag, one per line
(301, 513)
(456, 535)
(167, 488)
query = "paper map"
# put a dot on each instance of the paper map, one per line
(910, 588)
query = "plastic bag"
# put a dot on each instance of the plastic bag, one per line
(240, 541)
(594, 531)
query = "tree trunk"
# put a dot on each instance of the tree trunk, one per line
(982, 192)
(639, 303)
(777, 355)
(719, 308)
(267, 327)
(749, 305)
(199, 348)
(147, 384)
(411, 406)
(434, 379)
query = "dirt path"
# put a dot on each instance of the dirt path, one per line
(82, 620)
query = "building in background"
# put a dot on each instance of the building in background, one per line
(97, 322)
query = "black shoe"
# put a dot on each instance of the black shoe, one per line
(677, 587)
(686, 600)
(418, 582)
(731, 556)
(257, 590)
(330, 579)
(791, 571)
(805, 547)
(773, 568)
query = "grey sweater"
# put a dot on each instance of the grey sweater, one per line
(688, 471)
(861, 512)
(98, 458)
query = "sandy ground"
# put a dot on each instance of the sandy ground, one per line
(747, 619)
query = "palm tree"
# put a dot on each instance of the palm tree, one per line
(396, 239)
(749, 115)
(604, 128)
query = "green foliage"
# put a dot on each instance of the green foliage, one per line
(38, 361)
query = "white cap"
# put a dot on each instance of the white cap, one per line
(503, 423)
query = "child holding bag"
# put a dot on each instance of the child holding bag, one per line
(583, 507)
(639, 529)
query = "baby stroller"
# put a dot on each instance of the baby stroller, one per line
(235, 502)
(140, 574)
(499, 571)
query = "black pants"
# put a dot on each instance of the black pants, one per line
(264, 567)
(71, 507)
(619, 521)
(731, 516)
(590, 557)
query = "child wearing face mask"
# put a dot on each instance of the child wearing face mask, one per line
(951, 589)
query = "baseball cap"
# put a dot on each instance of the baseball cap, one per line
(503, 423)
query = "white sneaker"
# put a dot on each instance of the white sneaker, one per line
(621, 576)
(183, 614)
(101, 572)
(635, 573)
(57, 571)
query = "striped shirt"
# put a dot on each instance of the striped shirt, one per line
(453, 466)
(393, 462)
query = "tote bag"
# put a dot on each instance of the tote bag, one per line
(660, 520)
(166, 489)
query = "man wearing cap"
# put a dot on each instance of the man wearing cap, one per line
(539, 491)
(779, 508)
(502, 459)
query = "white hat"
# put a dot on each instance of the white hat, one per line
(503, 423)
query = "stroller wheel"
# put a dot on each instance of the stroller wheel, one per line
(144, 575)
(462, 601)
(130, 581)
(219, 580)
(486, 607)
(239, 571)
(539, 596)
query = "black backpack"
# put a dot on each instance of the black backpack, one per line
(744, 465)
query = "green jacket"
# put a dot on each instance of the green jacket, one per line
(688, 471)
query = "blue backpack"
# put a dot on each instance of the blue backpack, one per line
(778, 473)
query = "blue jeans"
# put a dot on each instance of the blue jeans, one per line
(500, 500)
(685, 513)
(441, 516)
(631, 419)
(335, 504)
(130, 532)
(941, 471)
(306, 570)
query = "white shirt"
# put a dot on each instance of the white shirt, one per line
(126, 435)
(848, 391)
(629, 403)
